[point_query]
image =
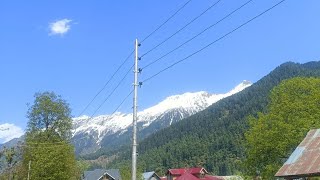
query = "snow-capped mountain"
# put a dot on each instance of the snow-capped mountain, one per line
(89, 134)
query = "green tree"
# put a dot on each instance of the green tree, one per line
(47, 144)
(49, 118)
(81, 167)
(125, 171)
(10, 160)
(293, 110)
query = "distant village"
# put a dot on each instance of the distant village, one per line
(172, 174)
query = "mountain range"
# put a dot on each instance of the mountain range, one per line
(112, 131)
(109, 131)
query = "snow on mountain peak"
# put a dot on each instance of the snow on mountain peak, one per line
(188, 102)
(81, 118)
(197, 100)
(244, 84)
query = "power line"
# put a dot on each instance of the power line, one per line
(47, 143)
(209, 27)
(122, 102)
(147, 37)
(114, 89)
(105, 85)
(220, 38)
(194, 19)
(112, 76)
(43, 145)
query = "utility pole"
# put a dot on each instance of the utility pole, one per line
(29, 170)
(135, 96)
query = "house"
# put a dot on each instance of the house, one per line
(304, 162)
(102, 174)
(189, 174)
(198, 172)
(172, 174)
(150, 176)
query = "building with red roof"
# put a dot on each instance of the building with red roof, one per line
(197, 173)
(189, 174)
(173, 174)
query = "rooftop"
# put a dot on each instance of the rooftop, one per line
(305, 160)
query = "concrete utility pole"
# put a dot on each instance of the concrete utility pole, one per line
(29, 170)
(135, 96)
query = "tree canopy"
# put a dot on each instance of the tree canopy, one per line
(47, 146)
(293, 110)
(49, 118)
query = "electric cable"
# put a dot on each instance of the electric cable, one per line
(209, 27)
(174, 14)
(215, 41)
(105, 85)
(114, 89)
(122, 102)
(193, 20)
(121, 65)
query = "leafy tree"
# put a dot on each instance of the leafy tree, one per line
(10, 158)
(49, 118)
(81, 167)
(51, 161)
(11, 165)
(293, 110)
(47, 144)
(125, 171)
(9, 155)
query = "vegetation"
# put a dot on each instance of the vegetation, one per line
(125, 171)
(47, 146)
(293, 110)
(214, 138)
(49, 119)
(9, 160)
(81, 167)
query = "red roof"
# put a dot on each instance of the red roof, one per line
(177, 171)
(196, 170)
(187, 176)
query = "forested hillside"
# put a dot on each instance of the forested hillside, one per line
(292, 112)
(213, 138)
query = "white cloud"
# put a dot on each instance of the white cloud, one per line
(9, 131)
(60, 27)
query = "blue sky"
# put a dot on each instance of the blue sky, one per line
(73, 47)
